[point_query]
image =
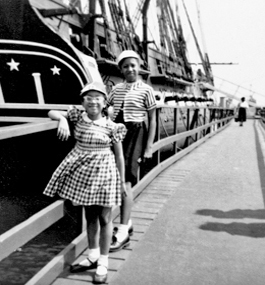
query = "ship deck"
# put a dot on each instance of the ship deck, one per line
(200, 221)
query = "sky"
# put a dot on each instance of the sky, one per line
(234, 32)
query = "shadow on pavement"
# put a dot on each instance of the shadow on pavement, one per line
(254, 230)
(233, 214)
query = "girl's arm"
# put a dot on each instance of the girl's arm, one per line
(63, 130)
(110, 111)
(119, 158)
(151, 133)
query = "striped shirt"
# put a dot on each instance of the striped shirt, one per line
(138, 98)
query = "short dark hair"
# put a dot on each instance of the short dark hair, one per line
(110, 82)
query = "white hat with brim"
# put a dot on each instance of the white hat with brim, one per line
(96, 86)
(126, 54)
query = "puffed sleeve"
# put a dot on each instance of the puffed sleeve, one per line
(150, 98)
(73, 114)
(118, 133)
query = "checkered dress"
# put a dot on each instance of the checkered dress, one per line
(88, 175)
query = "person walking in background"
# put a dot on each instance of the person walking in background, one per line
(242, 111)
(134, 103)
(91, 175)
(109, 86)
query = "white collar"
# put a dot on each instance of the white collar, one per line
(100, 122)
(132, 84)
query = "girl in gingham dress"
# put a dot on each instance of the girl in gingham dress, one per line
(91, 174)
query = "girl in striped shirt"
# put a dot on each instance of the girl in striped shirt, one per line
(134, 105)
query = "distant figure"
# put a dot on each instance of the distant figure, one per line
(109, 85)
(242, 111)
(200, 77)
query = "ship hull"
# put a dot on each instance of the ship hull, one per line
(42, 63)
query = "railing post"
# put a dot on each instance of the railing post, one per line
(175, 129)
(186, 144)
(188, 124)
(214, 115)
(194, 122)
(210, 120)
(218, 117)
(204, 121)
(226, 115)
(158, 127)
(196, 114)
(188, 119)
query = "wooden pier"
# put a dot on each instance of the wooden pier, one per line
(149, 198)
(200, 221)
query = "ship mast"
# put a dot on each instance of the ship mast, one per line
(92, 25)
(204, 63)
(108, 48)
(165, 42)
(206, 57)
(177, 40)
(134, 38)
(123, 37)
(182, 44)
(145, 27)
(90, 29)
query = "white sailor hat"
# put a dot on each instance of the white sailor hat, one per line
(97, 86)
(127, 54)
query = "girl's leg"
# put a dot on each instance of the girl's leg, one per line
(105, 221)
(93, 230)
(121, 238)
(127, 204)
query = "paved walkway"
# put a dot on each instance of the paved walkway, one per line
(206, 221)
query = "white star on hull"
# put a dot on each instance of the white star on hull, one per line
(55, 70)
(13, 65)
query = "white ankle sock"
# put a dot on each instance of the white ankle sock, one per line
(93, 254)
(103, 263)
(130, 223)
(122, 232)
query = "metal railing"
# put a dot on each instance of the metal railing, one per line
(179, 131)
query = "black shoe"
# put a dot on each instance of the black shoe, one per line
(130, 230)
(76, 268)
(116, 246)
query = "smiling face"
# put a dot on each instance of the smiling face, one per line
(94, 102)
(130, 69)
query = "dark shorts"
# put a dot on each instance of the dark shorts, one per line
(133, 149)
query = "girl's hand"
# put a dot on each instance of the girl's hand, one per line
(148, 152)
(63, 130)
(123, 189)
